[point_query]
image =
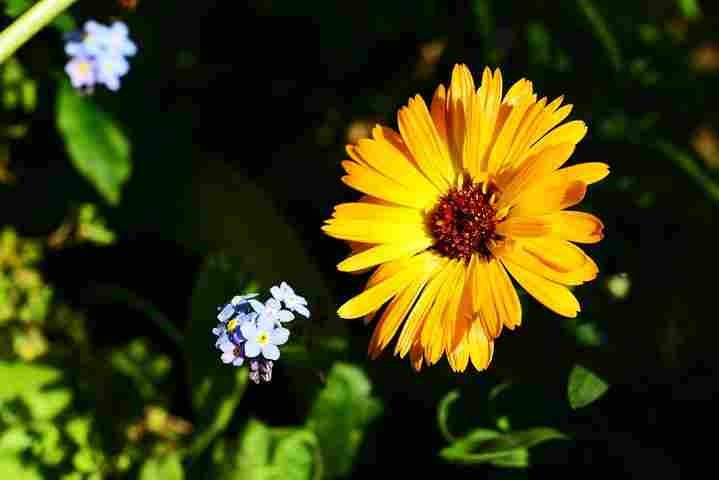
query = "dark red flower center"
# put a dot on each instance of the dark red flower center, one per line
(463, 222)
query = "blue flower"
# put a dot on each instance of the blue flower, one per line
(264, 338)
(292, 301)
(103, 49)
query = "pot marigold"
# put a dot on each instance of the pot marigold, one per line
(470, 192)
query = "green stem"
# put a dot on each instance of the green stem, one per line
(28, 24)
(601, 30)
(691, 168)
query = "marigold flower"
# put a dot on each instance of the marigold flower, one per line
(470, 191)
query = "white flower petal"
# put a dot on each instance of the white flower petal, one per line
(273, 303)
(302, 310)
(276, 292)
(257, 306)
(252, 348)
(266, 323)
(285, 316)
(271, 352)
(238, 361)
(227, 357)
(279, 336)
(249, 330)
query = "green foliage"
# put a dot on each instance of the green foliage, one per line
(584, 387)
(166, 467)
(14, 8)
(98, 148)
(340, 415)
(216, 391)
(496, 448)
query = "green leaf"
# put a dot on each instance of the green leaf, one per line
(253, 453)
(167, 467)
(500, 449)
(294, 457)
(340, 415)
(31, 383)
(690, 9)
(216, 388)
(443, 414)
(19, 378)
(11, 466)
(97, 147)
(584, 387)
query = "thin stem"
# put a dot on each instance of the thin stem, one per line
(28, 24)
(601, 30)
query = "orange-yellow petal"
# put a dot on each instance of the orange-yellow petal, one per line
(539, 264)
(580, 227)
(524, 227)
(481, 348)
(374, 297)
(393, 163)
(430, 152)
(535, 169)
(396, 312)
(572, 132)
(374, 231)
(367, 180)
(433, 329)
(384, 253)
(589, 172)
(415, 319)
(374, 211)
(505, 299)
(459, 100)
(541, 201)
(554, 296)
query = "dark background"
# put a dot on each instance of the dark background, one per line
(227, 94)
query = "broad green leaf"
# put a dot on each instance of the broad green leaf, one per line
(443, 413)
(19, 378)
(500, 449)
(584, 387)
(216, 387)
(253, 453)
(37, 385)
(690, 9)
(295, 455)
(95, 143)
(13, 467)
(339, 416)
(167, 467)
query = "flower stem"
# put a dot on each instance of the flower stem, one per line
(28, 24)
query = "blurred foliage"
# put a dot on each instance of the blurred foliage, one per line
(129, 217)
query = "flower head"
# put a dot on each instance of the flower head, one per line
(469, 192)
(101, 50)
(250, 329)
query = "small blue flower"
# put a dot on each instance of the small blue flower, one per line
(81, 71)
(264, 338)
(231, 353)
(102, 47)
(292, 301)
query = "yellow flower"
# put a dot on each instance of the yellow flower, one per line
(470, 189)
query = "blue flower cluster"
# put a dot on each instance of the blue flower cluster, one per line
(98, 55)
(252, 331)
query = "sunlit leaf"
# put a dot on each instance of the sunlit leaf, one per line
(690, 8)
(167, 467)
(13, 467)
(584, 387)
(95, 143)
(251, 461)
(339, 416)
(295, 456)
(500, 449)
